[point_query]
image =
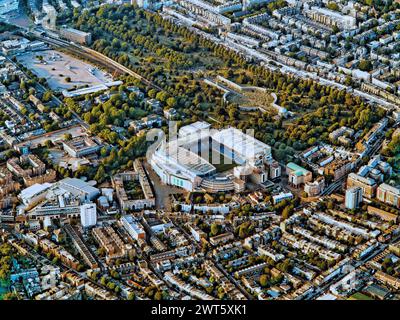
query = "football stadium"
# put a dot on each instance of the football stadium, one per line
(201, 158)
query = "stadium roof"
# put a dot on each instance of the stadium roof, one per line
(242, 144)
(190, 160)
(193, 128)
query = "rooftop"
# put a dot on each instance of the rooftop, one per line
(193, 127)
(243, 144)
(75, 185)
(298, 171)
(34, 190)
(389, 188)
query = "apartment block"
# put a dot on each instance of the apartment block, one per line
(368, 185)
(388, 194)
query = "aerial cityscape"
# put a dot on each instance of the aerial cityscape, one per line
(199, 150)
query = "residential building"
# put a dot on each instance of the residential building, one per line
(388, 194)
(88, 214)
(368, 185)
(353, 197)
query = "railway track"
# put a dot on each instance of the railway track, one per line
(96, 57)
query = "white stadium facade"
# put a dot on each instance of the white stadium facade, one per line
(190, 160)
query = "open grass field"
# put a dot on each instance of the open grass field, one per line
(220, 162)
(359, 296)
(251, 99)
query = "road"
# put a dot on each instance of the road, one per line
(161, 190)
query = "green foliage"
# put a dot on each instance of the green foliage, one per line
(365, 65)
(164, 53)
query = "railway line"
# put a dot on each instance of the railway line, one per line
(96, 57)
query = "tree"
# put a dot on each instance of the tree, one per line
(103, 281)
(214, 229)
(333, 6)
(22, 85)
(171, 102)
(286, 212)
(47, 96)
(100, 175)
(264, 280)
(111, 285)
(49, 143)
(365, 65)
(67, 136)
(152, 93)
(9, 296)
(158, 295)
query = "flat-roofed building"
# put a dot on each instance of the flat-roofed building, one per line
(388, 194)
(88, 214)
(133, 227)
(76, 35)
(297, 175)
(81, 146)
(79, 188)
(281, 197)
(368, 185)
(34, 194)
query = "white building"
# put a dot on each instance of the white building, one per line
(331, 18)
(353, 197)
(88, 215)
(79, 188)
(34, 193)
(282, 196)
(133, 227)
